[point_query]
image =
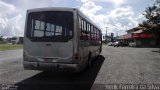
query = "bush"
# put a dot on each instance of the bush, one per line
(104, 42)
(3, 42)
(4, 47)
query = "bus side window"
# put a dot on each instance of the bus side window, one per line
(88, 32)
(79, 20)
(83, 30)
(82, 26)
(81, 33)
(96, 34)
(92, 33)
(85, 27)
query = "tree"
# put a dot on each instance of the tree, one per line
(152, 13)
(1, 38)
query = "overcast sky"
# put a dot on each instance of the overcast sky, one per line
(117, 15)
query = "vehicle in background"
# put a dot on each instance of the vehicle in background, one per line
(110, 44)
(17, 40)
(118, 43)
(132, 44)
(60, 39)
(125, 44)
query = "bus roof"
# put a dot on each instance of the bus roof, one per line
(62, 9)
(51, 9)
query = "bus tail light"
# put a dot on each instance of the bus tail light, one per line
(76, 56)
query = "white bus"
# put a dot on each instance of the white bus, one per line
(60, 39)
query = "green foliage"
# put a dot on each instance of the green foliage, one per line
(152, 13)
(1, 38)
(104, 42)
(3, 42)
(4, 47)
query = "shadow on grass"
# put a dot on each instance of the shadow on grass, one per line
(63, 80)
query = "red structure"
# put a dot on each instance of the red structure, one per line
(141, 35)
(138, 37)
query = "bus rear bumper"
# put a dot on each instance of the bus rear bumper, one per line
(50, 66)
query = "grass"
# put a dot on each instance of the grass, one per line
(4, 47)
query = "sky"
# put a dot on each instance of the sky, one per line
(116, 16)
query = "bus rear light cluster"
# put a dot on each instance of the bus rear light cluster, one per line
(76, 56)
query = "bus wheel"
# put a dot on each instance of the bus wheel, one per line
(89, 60)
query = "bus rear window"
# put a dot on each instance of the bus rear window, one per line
(50, 26)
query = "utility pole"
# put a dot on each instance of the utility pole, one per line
(106, 35)
(117, 33)
(106, 31)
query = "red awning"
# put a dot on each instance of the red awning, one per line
(141, 35)
(136, 35)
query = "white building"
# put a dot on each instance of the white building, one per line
(17, 40)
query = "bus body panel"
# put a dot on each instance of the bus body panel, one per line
(49, 50)
(87, 47)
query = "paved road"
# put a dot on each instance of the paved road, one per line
(5, 56)
(115, 65)
(11, 69)
(130, 65)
